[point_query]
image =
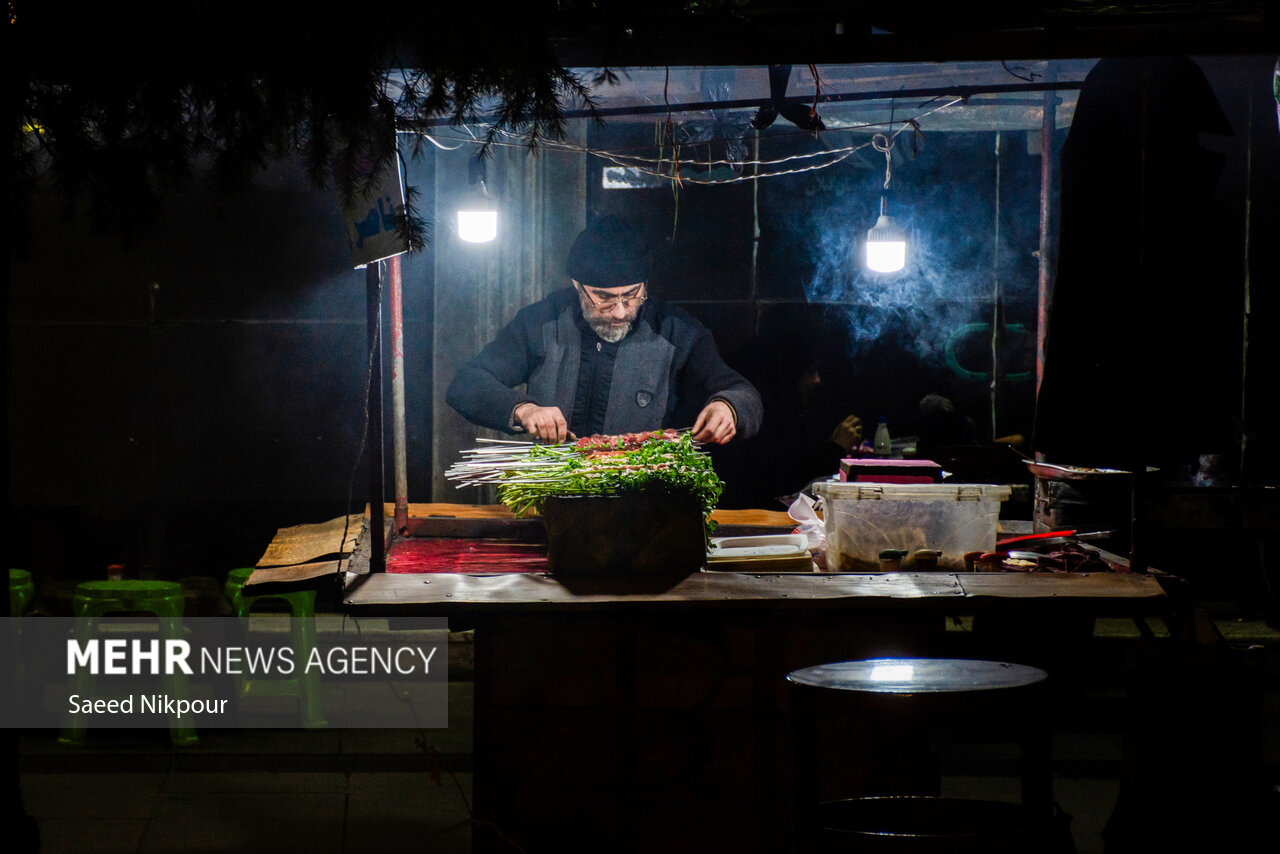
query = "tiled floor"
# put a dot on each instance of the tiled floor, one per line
(374, 791)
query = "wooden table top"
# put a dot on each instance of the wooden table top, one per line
(445, 594)
(774, 518)
(442, 593)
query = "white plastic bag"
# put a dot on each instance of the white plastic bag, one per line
(807, 522)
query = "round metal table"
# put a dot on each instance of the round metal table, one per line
(896, 706)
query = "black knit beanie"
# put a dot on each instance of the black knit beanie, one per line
(609, 253)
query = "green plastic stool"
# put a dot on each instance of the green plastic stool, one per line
(95, 599)
(21, 591)
(302, 610)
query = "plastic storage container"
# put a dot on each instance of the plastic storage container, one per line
(864, 518)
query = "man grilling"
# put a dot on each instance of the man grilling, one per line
(603, 356)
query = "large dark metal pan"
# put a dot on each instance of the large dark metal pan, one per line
(1049, 471)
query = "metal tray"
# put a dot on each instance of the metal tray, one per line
(1049, 471)
(767, 546)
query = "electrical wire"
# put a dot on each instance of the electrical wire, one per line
(880, 142)
(1030, 75)
(668, 168)
(556, 145)
(654, 166)
(817, 90)
(633, 158)
(737, 179)
(364, 431)
(431, 139)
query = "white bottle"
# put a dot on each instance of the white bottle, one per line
(882, 446)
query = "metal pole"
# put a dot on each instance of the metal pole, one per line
(997, 313)
(1137, 463)
(755, 230)
(377, 476)
(1247, 307)
(397, 395)
(1048, 130)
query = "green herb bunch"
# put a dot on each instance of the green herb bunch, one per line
(672, 467)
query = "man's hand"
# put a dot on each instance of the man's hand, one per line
(848, 433)
(545, 423)
(716, 423)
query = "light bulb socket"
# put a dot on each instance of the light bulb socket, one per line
(477, 199)
(886, 231)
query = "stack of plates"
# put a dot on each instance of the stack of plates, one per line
(769, 553)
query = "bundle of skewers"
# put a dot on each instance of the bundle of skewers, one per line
(503, 460)
(527, 473)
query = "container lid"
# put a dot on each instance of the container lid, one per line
(863, 491)
(767, 545)
(872, 462)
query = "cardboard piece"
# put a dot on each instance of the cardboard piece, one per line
(295, 575)
(306, 543)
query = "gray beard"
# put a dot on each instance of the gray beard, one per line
(610, 334)
(602, 329)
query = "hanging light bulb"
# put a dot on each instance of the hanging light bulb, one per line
(477, 226)
(478, 214)
(886, 243)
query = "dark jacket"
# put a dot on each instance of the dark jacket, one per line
(666, 369)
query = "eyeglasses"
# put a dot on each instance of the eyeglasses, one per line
(613, 302)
